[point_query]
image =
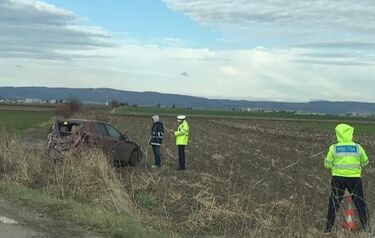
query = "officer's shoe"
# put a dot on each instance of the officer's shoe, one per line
(365, 229)
(327, 231)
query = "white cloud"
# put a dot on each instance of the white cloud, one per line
(229, 71)
(34, 29)
(255, 74)
(338, 44)
(283, 22)
(346, 15)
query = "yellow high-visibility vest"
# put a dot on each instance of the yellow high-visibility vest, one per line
(182, 133)
(345, 158)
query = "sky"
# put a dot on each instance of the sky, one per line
(277, 50)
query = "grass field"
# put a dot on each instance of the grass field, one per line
(239, 114)
(246, 177)
(363, 125)
(20, 117)
(18, 120)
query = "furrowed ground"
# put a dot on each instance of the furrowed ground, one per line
(246, 177)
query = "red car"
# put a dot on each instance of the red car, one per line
(75, 135)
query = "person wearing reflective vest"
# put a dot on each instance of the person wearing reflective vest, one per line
(182, 137)
(345, 160)
(156, 138)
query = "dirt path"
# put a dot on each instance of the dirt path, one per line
(18, 221)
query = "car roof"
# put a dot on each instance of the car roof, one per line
(79, 121)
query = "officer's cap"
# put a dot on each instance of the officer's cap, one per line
(181, 117)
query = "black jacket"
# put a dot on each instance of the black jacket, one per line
(157, 133)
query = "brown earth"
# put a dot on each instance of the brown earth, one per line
(244, 178)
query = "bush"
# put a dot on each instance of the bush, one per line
(114, 104)
(69, 108)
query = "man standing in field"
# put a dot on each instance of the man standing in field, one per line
(182, 137)
(345, 160)
(156, 138)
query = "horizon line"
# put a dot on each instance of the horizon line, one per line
(187, 95)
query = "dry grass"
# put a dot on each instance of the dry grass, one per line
(17, 164)
(91, 179)
(88, 178)
(262, 180)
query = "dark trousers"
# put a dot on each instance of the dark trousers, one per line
(355, 188)
(181, 156)
(156, 150)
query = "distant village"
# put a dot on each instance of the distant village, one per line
(352, 114)
(237, 109)
(31, 101)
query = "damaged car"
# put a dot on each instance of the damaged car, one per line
(76, 135)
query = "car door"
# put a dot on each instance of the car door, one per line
(123, 150)
(109, 141)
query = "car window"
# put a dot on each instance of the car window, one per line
(101, 129)
(65, 128)
(113, 132)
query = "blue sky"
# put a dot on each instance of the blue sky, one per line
(144, 20)
(279, 50)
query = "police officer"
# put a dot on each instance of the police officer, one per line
(156, 138)
(182, 137)
(345, 160)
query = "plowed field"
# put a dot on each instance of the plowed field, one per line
(244, 178)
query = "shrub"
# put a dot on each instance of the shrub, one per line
(68, 109)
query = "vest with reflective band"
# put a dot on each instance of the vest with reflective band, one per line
(157, 133)
(182, 133)
(346, 159)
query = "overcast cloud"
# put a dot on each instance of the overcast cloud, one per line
(319, 16)
(33, 29)
(337, 25)
(321, 50)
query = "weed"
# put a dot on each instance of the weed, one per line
(146, 200)
(85, 189)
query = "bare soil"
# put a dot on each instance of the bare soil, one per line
(244, 178)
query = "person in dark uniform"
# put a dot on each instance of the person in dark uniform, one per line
(156, 138)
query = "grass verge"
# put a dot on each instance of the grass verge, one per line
(85, 189)
(116, 224)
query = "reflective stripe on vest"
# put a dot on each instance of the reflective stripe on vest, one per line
(346, 150)
(347, 166)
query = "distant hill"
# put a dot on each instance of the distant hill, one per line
(102, 95)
